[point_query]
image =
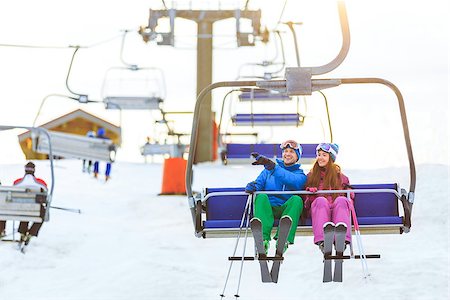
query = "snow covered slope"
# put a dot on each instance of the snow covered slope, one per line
(130, 243)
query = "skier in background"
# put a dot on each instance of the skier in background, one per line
(101, 135)
(91, 134)
(36, 184)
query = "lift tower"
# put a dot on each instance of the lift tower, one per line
(205, 20)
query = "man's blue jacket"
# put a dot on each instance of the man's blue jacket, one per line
(281, 178)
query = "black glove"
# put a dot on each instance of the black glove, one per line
(262, 160)
(251, 187)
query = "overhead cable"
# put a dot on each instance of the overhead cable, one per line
(60, 47)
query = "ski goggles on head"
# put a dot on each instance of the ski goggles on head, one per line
(289, 143)
(327, 148)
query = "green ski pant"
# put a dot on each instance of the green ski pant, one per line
(267, 213)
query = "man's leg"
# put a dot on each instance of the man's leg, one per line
(34, 230)
(108, 171)
(2, 228)
(293, 208)
(263, 211)
(96, 169)
(23, 229)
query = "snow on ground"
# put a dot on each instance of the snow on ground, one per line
(130, 243)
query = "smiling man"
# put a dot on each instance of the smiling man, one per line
(285, 175)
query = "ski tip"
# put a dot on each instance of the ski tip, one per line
(255, 219)
(329, 224)
(286, 220)
(286, 217)
(341, 224)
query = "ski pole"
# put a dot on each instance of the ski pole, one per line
(74, 210)
(358, 239)
(243, 256)
(352, 254)
(246, 210)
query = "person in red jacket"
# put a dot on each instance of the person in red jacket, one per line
(30, 181)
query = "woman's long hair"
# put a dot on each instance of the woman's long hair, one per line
(331, 180)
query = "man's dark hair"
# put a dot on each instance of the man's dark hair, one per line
(30, 168)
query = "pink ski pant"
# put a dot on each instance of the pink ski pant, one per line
(323, 211)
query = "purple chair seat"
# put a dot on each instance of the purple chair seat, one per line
(224, 211)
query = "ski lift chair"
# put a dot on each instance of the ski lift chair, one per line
(218, 212)
(249, 94)
(267, 119)
(241, 153)
(133, 88)
(24, 204)
(174, 150)
(74, 146)
(376, 206)
(21, 204)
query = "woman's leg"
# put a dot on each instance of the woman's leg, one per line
(341, 213)
(320, 214)
(263, 211)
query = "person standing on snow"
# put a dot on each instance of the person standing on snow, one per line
(33, 183)
(91, 134)
(2, 226)
(285, 175)
(101, 135)
(326, 175)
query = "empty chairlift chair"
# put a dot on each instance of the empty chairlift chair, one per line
(240, 153)
(261, 95)
(267, 119)
(133, 88)
(74, 146)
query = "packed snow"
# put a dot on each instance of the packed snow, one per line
(130, 243)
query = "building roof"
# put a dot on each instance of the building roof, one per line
(78, 113)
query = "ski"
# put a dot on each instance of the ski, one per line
(339, 232)
(328, 234)
(331, 257)
(20, 245)
(283, 232)
(23, 243)
(256, 226)
(23, 248)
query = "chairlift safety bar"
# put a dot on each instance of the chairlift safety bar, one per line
(303, 192)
